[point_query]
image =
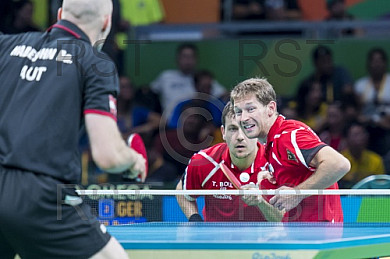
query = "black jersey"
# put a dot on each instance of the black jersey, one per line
(48, 81)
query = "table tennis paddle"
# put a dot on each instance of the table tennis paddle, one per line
(135, 142)
(230, 175)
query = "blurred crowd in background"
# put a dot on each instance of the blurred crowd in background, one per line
(179, 112)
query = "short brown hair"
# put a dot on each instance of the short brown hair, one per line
(260, 87)
(227, 111)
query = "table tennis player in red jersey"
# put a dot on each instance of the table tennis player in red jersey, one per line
(300, 160)
(245, 158)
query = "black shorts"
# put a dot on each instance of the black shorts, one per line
(36, 222)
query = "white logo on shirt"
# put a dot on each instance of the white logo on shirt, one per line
(112, 104)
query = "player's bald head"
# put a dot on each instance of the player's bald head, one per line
(85, 11)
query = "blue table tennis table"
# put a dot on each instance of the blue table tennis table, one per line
(253, 240)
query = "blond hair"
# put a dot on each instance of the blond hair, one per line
(260, 87)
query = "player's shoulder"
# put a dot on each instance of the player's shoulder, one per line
(19, 44)
(100, 60)
(293, 124)
(293, 130)
(20, 38)
(213, 153)
(290, 126)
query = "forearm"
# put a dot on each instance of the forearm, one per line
(270, 212)
(321, 179)
(188, 207)
(331, 167)
(122, 160)
(109, 150)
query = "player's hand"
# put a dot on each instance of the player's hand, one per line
(135, 142)
(286, 201)
(265, 175)
(251, 200)
(138, 167)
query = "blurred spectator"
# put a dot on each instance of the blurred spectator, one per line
(174, 86)
(332, 134)
(373, 91)
(248, 10)
(176, 146)
(363, 161)
(124, 106)
(138, 112)
(338, 12)
(259, 10)
(146, 114)
(335, 80)
(280, 10)
(5, 11)
(21, 18)
(212, 107)
(135, 116)
(310, 107)
(111, 46)
(351, 107)
(290, 111)
(287, 107)
(202, 98)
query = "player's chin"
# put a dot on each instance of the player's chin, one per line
(242, 154)
(252, 133)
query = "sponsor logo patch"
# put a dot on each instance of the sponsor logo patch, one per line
(112, 103)
(291, 156)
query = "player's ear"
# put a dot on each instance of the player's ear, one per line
(223, 132)
(271, 108)
(59, 14)
(107, 22)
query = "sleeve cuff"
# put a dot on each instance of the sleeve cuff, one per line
(100, 112)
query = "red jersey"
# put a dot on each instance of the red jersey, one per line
(291, 145)
(203, 172)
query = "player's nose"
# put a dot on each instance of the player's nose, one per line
(240, 135)
(244, 116)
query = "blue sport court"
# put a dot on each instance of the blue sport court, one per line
(254, 240)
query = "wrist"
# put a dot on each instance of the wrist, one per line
(298, 194)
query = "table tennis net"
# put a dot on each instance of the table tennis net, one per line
(121, 207)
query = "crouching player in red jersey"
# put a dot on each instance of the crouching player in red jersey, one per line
(245, 158)
(300, 160)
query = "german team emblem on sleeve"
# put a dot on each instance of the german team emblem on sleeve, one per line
(291, 156)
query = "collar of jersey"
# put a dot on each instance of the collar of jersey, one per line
(275, 129)
(228, 160)
(70, 28)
